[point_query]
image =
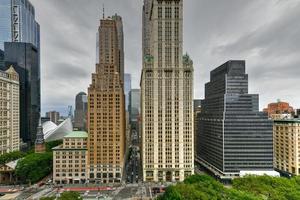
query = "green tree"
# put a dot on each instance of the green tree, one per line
(8, 157)
(171, 194)
(50, 145)
(204, 187)
(271, 188)
(34, 167)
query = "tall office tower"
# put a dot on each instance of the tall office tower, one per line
(1, 59)
(106, 112)
(80, 113)
(18, 23)
(120, 32)
(286, 146)
(197, 111)
(9, 111)
(134, 105)
(166, 94)
(127, 89)
(53, 116)
(25, 58)
(234, 136)
(119, 24)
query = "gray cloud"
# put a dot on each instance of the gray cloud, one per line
(264, 33)
(280, 37)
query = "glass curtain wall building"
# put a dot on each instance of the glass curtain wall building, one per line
(18, 23)
(233, 135)
(1, 59)
(25, 58)
(80, 111)
(127, 88)
(20, 40)
(134, 104)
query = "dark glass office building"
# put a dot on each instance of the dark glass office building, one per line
(127, 89)
(134, 104)
(25, 58)
(233, 136)
(1, 58)
(80, 113)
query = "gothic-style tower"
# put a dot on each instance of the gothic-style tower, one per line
(40, 142)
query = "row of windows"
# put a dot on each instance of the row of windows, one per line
(168, 12)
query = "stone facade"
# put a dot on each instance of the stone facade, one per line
(166, 95)
(106, 109)
(286, 134)
(70, 159)
(9, 111)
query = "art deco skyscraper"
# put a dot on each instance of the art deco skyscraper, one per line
(166, 94)
(106, 112)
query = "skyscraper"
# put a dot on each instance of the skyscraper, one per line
(80, 111)
(1, 59)
(127, 88)
(18, 23)
(25, 58)
(106, 112)
(134, 104)
(233, 135)
(54, 116)
(119, 24)
(197, 111)
(9, 111)
(166, 94)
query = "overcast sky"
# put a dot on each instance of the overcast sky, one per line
(264, 33)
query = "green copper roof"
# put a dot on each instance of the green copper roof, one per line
(77, 134)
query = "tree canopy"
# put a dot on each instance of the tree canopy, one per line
(204, 187)
(50, 145)
(34, 167)
(8, 157)
(271, 188)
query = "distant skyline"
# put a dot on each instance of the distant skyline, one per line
(264, 33)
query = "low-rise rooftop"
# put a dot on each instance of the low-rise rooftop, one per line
(292, 120)
(77, 134)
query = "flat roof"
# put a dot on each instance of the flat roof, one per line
(295, 120)
(77, 134)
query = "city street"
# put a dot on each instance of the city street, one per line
(133, 163)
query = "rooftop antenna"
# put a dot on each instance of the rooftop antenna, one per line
(103, 12)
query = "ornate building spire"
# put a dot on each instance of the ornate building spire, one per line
(40, 142)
